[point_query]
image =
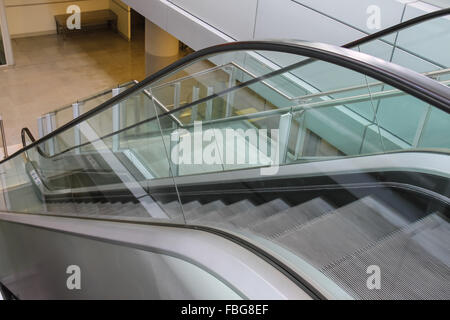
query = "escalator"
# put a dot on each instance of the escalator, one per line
(305, 173)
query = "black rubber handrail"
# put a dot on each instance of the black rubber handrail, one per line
(398, 27)
(399, 77)
(26, 132)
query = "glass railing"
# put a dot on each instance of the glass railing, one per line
(421, 47)
(205, 78)
(308, 180)
(60, 116)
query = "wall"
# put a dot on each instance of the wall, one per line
(123, 15)
(35, 17)
(233, 17)
(181, 24)
(203, 23)
(161, 48)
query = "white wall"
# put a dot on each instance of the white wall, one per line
(202, 23)
(181, 24)
(28, 17)
(235, 18)
(286, 19)
(123, 17)
(354, 12)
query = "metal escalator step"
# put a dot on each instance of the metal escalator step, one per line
(252, 216)
(342, 232)
(191, 205)
(60, 205)
(416, 257)
(203, 210)
(173, 209)
(87, 209)
(291, 218)
(221, 215)
(113, 209)
(62, 208)
(137, 211)
(94, 208)
(170, 205)
(105, 208)
(241, 206)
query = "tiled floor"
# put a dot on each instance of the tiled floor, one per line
(51, 72)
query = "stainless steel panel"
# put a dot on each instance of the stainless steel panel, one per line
(124, 261)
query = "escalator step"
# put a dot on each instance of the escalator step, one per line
(115, 209)
(415, 257)
(258, 213)
(342, 232)
(203, 210)
(173, 209)
(137, 211)
(290, 218)
(191, 205)
(221, 215)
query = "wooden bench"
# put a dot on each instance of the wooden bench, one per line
(88, 19)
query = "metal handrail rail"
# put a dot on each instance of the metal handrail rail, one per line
(399, 26)
(2, 133)
(94, 96)
(24, 133)
(312, 105)
(266, 113)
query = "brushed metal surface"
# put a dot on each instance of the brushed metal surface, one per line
(130, 261)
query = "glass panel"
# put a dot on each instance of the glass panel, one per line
(422, 47)
(335, 217)
(66, 114)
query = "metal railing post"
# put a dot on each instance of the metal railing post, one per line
(283, 135)
(194, 109)
(301, 135)
(174, 150)
(40, 127)
(230, 95)
(49, 119)
(116, 121)
(176, 97)
(76, 130)
(209, 104)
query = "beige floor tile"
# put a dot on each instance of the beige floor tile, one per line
(51, 73)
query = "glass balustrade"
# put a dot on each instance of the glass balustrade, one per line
(421, 47)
